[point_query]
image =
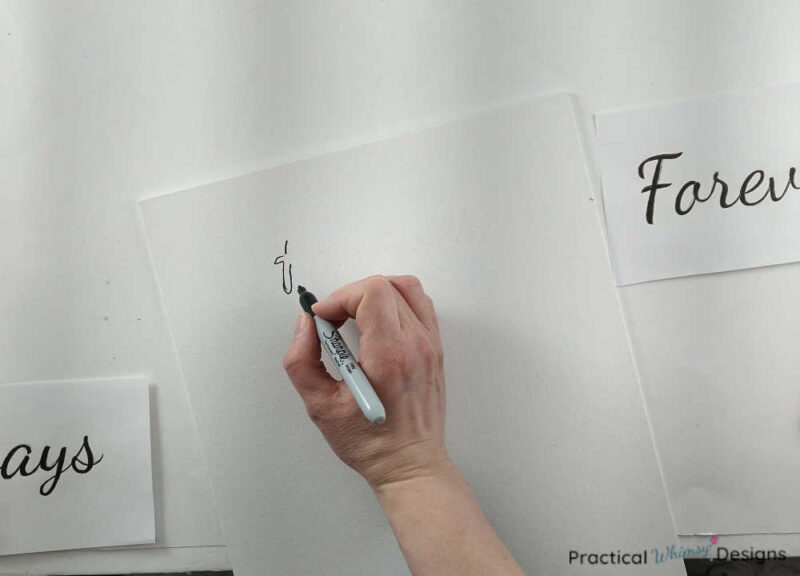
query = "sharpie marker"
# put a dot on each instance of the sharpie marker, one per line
(346, 364)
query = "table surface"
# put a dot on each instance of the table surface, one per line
(103, 103)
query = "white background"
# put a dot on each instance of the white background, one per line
(104, 103)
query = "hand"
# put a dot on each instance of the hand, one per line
(401, 354)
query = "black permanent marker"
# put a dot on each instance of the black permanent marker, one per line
(351, 372)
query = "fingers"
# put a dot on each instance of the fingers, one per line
(371, 301)
(306, 371)
(420, 303)
(380, 303)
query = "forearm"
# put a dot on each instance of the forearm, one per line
(441, 528)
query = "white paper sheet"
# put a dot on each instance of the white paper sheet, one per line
(716, 353)
(745, 142)
(718, 362)
(103, 494)
(545, 416)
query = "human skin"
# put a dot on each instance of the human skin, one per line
(436, 519)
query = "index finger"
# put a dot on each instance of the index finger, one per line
(371, 301)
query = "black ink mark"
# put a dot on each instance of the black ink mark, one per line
(279, 260)
(81, 463)
(690, 194)
(655, 185)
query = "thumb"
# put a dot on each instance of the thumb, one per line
(305, 368)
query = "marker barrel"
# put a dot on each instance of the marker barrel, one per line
(351, 372)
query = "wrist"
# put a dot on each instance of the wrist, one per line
(397, 462)
(441, 473)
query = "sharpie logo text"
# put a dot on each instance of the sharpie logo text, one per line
(336, 344)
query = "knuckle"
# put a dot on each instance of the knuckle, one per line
(410, 281)
(377, 284)
(431, 308)
(316, 411)
(393, 362)
(292, 364)
(427, 352)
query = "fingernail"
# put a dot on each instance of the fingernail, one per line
(301, 324)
